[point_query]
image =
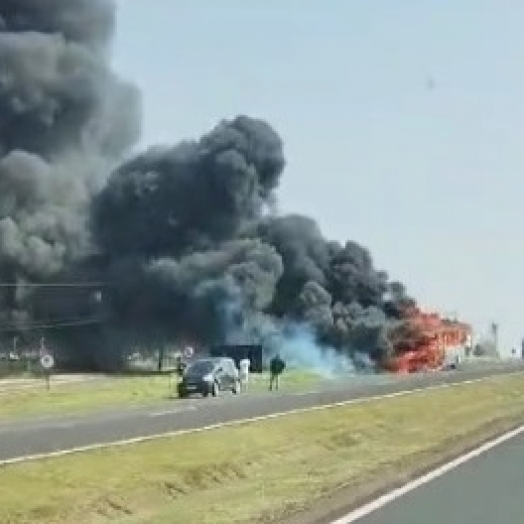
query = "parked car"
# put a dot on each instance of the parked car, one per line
(209, 376)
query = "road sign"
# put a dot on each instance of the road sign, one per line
(47, 362)
(188, 352)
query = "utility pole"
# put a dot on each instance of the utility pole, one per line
(495, 334)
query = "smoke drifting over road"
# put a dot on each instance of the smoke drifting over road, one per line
(186, 235)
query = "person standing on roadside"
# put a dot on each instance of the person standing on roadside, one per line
(180, 366)
(244, 366)
(276, 368)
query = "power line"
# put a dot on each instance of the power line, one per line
(13, 323)
(53, 325)
(55, 284)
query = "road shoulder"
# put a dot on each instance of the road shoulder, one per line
(330, 507)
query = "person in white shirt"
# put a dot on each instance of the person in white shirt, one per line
(244, 366)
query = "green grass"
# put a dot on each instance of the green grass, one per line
(257, 472)
(116, 392)
(20, 368)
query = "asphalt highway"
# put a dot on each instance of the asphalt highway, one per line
(45, 435)
(485, 490)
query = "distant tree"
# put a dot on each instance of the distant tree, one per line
(485, 348)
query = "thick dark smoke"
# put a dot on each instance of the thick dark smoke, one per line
(185, 238)
(195, 251)
(192, 196)
(65, 120)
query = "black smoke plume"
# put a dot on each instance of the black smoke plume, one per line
(195, 252)
(65, 121)
(184, 240)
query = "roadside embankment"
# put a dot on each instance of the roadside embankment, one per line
(258, 472)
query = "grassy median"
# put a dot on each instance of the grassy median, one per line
(95, 395)
(257, 472)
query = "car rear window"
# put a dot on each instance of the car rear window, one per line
(200, 367)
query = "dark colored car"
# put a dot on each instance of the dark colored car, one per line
(209, 376)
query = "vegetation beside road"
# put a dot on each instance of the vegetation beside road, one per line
(257, 472)
(91, 396)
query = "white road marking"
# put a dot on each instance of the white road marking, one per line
(240, 422)
(305, 393)
(171, 411)
(382, 501)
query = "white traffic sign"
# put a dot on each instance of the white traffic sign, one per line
(47, 362)
(188, 353)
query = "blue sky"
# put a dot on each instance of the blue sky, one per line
(403, 124)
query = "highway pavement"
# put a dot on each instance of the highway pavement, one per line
(485, 490)
(46, 435)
